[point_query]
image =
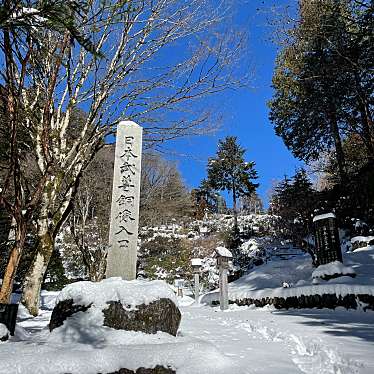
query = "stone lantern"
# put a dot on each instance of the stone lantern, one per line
(196, 267)
(223, 256)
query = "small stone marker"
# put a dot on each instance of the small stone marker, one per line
(123, 234)
(196, 266)
(327, 239)
(223, 256)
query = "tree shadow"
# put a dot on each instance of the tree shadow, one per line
(341, 323)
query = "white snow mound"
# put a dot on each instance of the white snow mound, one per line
(323, 216)
(128, 293)
(362, 239)
(335, 267)
(224, 252)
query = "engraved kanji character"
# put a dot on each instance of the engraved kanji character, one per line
(129, 141)
(127, 153)
(124, 200)
(124, 243)
(125, 216)
(123, 228)
(126, 183)
(128, 167)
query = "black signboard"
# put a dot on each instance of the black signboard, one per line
(327, 240)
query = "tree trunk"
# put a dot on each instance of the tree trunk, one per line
(35, 275)
(11, 269)
(338, 146)
(367, 125)
(234, 207)
(366, 118)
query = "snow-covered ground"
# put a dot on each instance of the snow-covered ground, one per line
(269, 279)
(240, 340)
(268, 341)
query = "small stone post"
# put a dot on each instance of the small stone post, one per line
(223, 256)
(123, 233)
(196, 266)
(179, 284)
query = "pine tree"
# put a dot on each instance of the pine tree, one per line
(228, 171)
(323, 80)
(28, 17)
(293, 201)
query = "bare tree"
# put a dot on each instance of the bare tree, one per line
(251, 204)
(88, 221)
(144, 75)
(88, 236)
(164, 196)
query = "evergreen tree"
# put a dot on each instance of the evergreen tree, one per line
(205, 199)
(294, 201)
(323, 80)
(28, 17)
(228, 171)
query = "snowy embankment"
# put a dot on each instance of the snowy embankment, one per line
(267, 281)
(83, 344)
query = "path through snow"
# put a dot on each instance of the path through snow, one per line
(264, 341)
(269, 341)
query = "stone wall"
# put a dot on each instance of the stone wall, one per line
(330, 301)
(156, 370)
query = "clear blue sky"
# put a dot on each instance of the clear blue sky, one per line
(246, 112)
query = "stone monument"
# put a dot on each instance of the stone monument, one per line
(327, 239)
(123, 233)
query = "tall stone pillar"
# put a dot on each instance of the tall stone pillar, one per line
(124, 219)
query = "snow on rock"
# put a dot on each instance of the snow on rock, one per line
(223, 252)
(358, 242)
(129, 293)
(196, 262)
(362, 239)
(324, 216)
(331, 269)
(4, 333)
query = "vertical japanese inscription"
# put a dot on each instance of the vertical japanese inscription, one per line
(123, 234)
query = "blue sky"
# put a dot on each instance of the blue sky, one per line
(246, 112)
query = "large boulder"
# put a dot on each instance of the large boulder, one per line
(143, 306)
(160, 315)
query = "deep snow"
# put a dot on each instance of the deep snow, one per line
(240, 340)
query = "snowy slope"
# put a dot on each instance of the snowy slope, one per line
(267, 280)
